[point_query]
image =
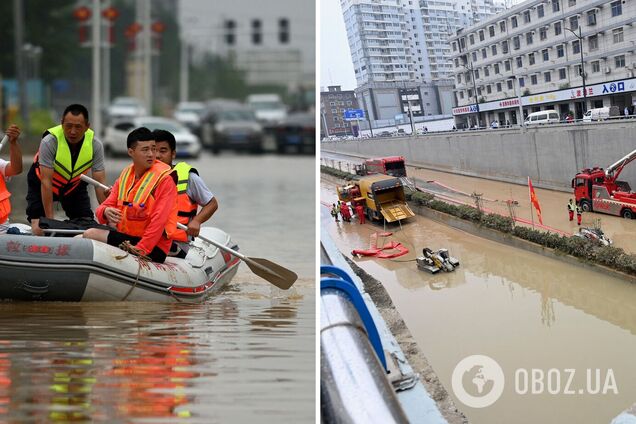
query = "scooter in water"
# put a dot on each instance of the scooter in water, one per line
(436, 261)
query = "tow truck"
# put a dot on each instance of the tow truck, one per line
(598, 190)
(391, 165)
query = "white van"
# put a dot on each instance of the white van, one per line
(542, 117)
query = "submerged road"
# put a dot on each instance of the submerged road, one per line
(523, 310)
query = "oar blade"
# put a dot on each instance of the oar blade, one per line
(279, 276)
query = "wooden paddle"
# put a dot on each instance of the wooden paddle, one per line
(278, 275)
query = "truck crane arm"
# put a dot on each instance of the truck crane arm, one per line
(613, 171)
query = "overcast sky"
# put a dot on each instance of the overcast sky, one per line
(335, 59)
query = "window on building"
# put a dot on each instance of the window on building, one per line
(283, 31)
(462, 43)
(574, 23)
(456, 63)
(496, 68)
(461, 94)
(531, 58)
(562, 74)
(481, 35)
(476, 73)
(617, 35)
(470, 92)
(555, 6)
(491, 30)
(571, 3)
(533, 79)
(471, 39)
(334, 110)
(488, 89)
(591, 17)
(484, 54)
(593, 42)
(529, 38)
(498, 87)
(332, 103)
(486, 72)
(478, 93)
(459, 78)
(576, 47)
(454, 46)
(509, 84)
(519, 62)
(617, 8)
(577, 70)
(546, 55)
(504, 47)
(543, 33)
(522, 82)
(474, 55)
(507, 65)
(540, 11)
(596, 66)
(502, 26)
(493, 48)
(526, 17)
(557, 28)
(516, 43)
(257, 35)
(513, 22)
(560, 50)
(619, 61)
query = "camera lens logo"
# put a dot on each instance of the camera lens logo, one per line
(478, 381)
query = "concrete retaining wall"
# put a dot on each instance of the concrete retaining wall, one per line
(550, 155)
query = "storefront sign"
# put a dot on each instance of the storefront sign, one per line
(466, 109)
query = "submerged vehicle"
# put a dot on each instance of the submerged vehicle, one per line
(436, 261)
(79, 269)
(594, 234)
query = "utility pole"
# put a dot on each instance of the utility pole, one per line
(579, 36)
(185, 71)
(96, 121)
(147, 42)
(408, 102)
(18, 20)
(107, 47)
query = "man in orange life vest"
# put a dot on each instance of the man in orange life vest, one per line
(66, 152)
(9, 169)
(191, 193)
(142, 204)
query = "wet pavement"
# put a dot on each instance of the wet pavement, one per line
(524, 310)
(246, 355)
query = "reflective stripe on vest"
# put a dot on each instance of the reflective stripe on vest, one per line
(187, 209)
(66, 177)
(136, 201)
(5, 204)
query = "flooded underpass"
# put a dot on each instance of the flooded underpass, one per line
(525, 311)
(494, 195)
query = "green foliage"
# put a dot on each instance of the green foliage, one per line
(40, 120)
(337, 173)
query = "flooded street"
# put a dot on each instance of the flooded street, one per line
(246, 355)
(495, 193)
(523, 310)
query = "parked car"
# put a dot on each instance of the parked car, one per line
(542, 117)
(227, 124)
(298, 132)
(268, 108)
(125, 108)
(189, 114)
(188, 144)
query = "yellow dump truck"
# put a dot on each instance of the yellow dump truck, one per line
(382, 196)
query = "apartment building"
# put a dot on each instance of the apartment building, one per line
(535, 54)
(333, 103)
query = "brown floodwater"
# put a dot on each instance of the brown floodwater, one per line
(246, 355)
(523, 310)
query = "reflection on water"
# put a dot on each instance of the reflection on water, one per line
(522, 309)
(229, 360)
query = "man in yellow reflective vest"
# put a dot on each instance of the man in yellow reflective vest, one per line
(142, 204)
(191, 193)
(7, 170)
(66, 152)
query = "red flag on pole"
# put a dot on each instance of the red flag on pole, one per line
(534, 200)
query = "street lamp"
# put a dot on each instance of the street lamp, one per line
(580, 38)
(471, 68)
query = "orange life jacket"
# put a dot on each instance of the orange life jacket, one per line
(66, 174)
(136, 200)
(187, 209)
(5, 204)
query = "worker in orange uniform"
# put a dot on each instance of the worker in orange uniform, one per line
(345, 212)
(579, 214)
(7, 170)
(142, 204)
(360, 212)
(571, 209)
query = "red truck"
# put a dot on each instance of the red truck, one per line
(598, 190)
(391, 165)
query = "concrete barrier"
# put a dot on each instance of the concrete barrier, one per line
(550, 155)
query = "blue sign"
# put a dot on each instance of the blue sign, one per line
(614, 87)
(399, 117)
(353, 114)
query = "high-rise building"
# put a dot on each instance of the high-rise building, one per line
(401, 54)
(333, 103)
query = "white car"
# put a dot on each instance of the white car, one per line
(125, 108)
(188, 144)
(189, 114)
